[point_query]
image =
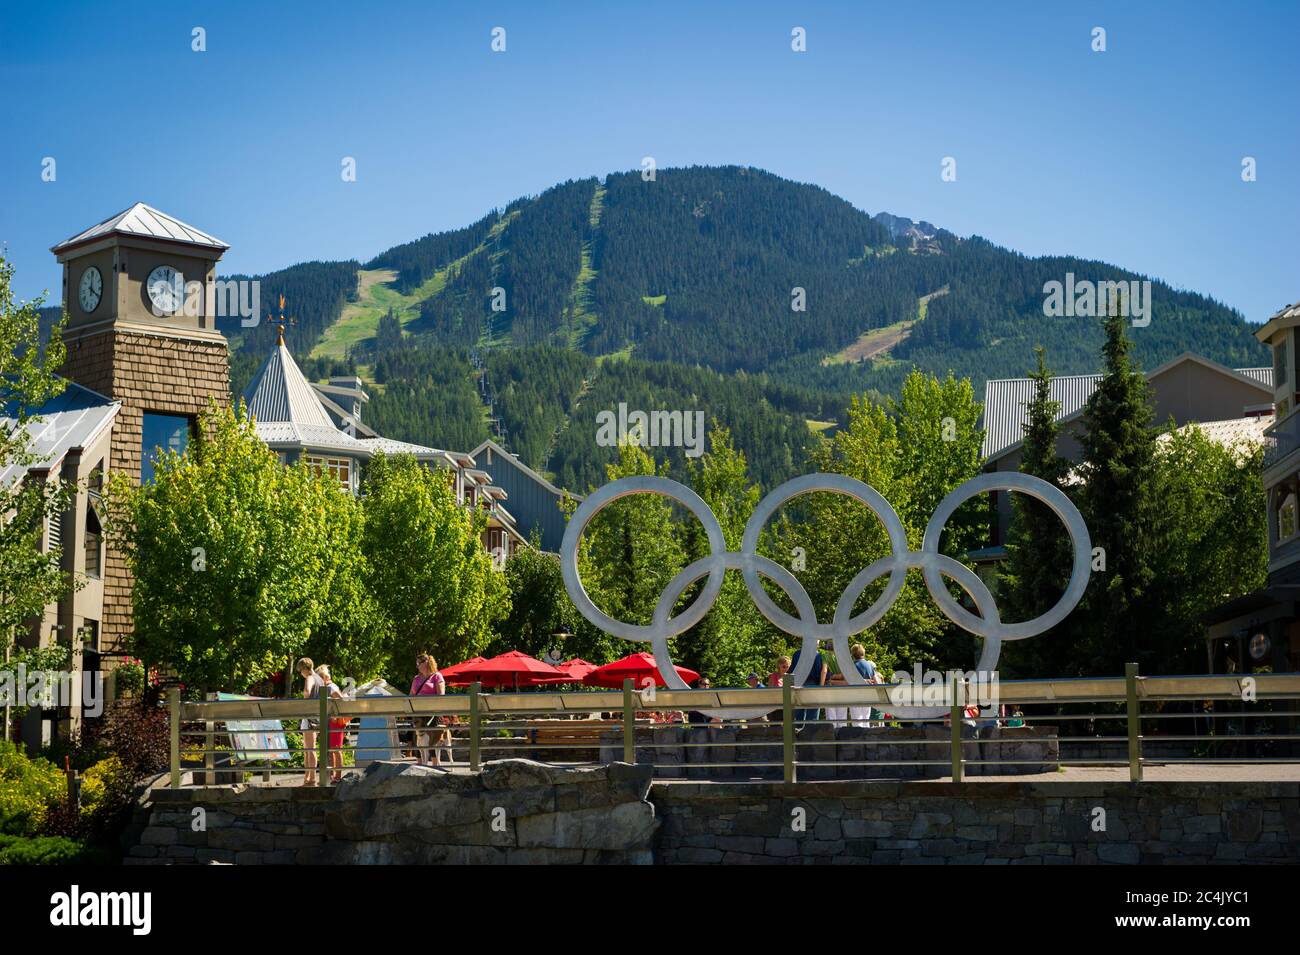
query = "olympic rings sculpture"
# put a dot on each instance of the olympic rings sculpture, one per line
(934, 566)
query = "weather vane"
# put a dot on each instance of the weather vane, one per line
(281, 321)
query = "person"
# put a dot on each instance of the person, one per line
(754, 682)
(861, 715)
(777, 678)
(307, 670)
(816, 677)
(837, 715)
(327, 687)
(703, 683)
(1017, 718)
(428, 682)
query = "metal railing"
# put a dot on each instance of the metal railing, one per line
(1234, 719)
(1281, 438)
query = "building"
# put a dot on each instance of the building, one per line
(534, 501)
(1188, 389)
(322, 425)
(144, 362)
(72, 438)
(1262, 630)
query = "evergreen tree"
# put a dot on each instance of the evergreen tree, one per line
(388, 334)
(1118, 501)
(1033, 576)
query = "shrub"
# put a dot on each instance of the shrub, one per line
(129, 677)
(28, 789)
(48, 850)
(136, 735)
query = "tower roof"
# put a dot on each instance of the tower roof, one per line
(280, 393)
(143, 222)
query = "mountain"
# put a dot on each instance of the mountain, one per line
(724, 286)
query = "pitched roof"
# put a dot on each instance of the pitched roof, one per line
(1006, 399)
(495, 449)
(1232, 433)
(290, 412)
(66, 422)
(144, 222)
(280, 393)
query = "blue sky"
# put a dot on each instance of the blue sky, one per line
(1132, 156)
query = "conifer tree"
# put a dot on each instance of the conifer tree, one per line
(1038, 553)
(1118, 501)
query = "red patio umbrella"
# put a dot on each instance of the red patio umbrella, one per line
(513, 669)
(455, 668)
(640, 667)
(574, 671)
(577, 668)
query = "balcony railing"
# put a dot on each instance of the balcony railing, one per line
(1282, 438)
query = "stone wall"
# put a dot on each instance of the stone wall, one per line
(518, 811)
(514, 811)
(992, 823)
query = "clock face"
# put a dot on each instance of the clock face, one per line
(92, 288)
(165, 291)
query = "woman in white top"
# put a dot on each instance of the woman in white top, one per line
(306, 669)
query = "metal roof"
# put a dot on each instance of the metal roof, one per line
(66, 422)
(144, 222)
(1287, 311)
(1234, 432)
(280, 393)
(1006, 400)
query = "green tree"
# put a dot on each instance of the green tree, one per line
(427, 566)
(1118, 502)
(240, 563)
(733, 638)
(30, 578)
(913, 453)
(539, 605)
(1033, 576)
(1211, 544)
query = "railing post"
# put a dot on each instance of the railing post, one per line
(475, 727)
(629, 723)
(209, 745)
(174, 703)
(958, 712)
(323, 738)
(787, 729)
(1134, 723)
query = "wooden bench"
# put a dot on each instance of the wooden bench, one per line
(569, 733)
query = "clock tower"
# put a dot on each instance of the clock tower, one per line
(140, 292)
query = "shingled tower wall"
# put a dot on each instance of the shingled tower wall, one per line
(124, 347)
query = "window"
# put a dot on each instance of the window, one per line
(338, 468)
(1279, 365)
(1286, 517)
(93, 544)
(160, 434)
